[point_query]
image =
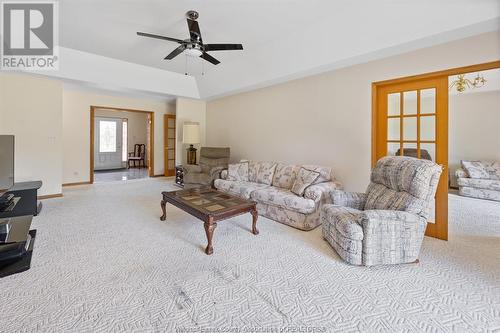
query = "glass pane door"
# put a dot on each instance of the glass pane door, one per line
(412, 130)
(412, 120)
(170, 135)
(107, 143)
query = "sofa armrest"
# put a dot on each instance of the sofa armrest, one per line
(191, 168)
(391, 237)
(321, 191)
(215, 172)
(223, 174)
(377, 216)
(349, 199)
(461, 173)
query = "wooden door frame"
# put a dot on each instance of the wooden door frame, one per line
(165, 143)
(150, 147)
(446, 72)
(441, 233)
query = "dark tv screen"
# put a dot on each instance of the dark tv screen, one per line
(6, 162)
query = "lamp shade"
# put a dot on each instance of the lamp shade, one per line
(191, 133)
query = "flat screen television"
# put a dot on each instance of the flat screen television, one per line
(6, 163)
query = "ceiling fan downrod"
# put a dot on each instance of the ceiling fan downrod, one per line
(192, 15)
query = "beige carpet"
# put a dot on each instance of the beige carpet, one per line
(104, 262)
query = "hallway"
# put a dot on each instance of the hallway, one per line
(103, 176)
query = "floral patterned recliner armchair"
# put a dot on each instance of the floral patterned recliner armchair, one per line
(385, 225)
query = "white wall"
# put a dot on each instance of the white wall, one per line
(474, 128)
(189, 110)
(31, 109)
(326, 119)
(76, 128)
(137, 125)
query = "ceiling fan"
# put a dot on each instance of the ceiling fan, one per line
(194, 45)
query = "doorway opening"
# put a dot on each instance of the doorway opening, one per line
(121, 144)
(410, 118)
(474, 112)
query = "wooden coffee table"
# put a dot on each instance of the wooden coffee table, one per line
(210, 206)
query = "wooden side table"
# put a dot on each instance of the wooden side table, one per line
(179, 176)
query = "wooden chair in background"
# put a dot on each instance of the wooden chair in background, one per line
(138, 154)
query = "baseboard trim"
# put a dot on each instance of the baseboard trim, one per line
(167, 177)
(76, 184)
(50, 196)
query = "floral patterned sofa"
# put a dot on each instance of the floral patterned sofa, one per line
(479, 179)
(270, 185)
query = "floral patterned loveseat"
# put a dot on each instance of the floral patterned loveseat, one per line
(270, 185)
(479, 179)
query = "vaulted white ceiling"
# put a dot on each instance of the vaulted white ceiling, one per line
(281, 38)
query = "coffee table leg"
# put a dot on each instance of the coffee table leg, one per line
(255, 215)
(164, 210)
(209, 230)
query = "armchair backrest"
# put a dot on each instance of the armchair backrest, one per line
(139, 150)
(403, 183)
(212, 157)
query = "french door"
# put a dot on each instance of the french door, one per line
(411, 119)
(108, 143)
(169, 144)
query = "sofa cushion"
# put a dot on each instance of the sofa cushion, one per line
(482, 169)
(197, 178)
(285, 175)
(253, 170)
(325, 173)
(238, 172)
(304, 179)
(487, 184)
(381, 197)
(266, 173)
(284, 199)
(479, 193)
(238, 188)
(211, 157)
(407, 174)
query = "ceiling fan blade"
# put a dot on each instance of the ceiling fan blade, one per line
(222, 47)
(209, 58)
(175, 52)
(145, 34)
(194, 30)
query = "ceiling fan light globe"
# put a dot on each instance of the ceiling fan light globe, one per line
(194, 52)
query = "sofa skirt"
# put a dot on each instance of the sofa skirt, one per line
(291, 218)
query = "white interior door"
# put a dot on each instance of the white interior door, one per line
(108, 143)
